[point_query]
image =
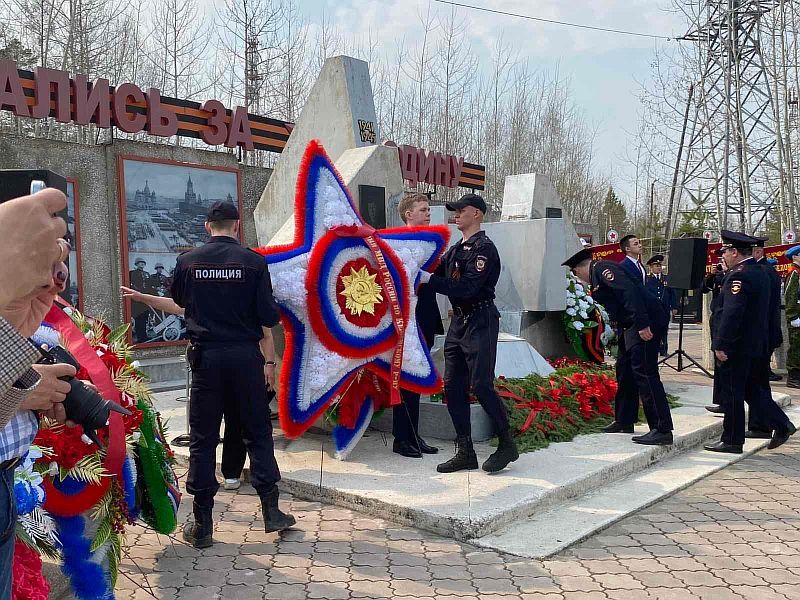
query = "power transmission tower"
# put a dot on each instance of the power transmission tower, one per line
(733, 162)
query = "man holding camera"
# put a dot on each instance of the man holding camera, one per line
(227, 296)
(32, 271)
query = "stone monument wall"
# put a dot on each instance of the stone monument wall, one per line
(95, 171)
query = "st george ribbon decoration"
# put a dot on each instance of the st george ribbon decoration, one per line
(347, 297)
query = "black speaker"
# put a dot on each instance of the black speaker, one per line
(372, 205)
(687, 263)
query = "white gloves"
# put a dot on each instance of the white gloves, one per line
(425, 277)
(795, 323)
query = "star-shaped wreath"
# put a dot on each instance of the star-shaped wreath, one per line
(346, 292)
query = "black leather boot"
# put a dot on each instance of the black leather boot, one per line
(464, 459)
(274, 519)
(506, 453)
(199, 532)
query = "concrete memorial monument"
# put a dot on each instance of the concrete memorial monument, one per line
(340, 113)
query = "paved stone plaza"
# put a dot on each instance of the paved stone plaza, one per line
(735, 534)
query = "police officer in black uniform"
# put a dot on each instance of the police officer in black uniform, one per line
(227, 296)
(656, 284)
(713, 283)
(775, 301)
(741, 341)
(762, 373)
(467, 275)
(643, 320)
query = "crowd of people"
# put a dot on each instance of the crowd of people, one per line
(224, 292)
(745, 331)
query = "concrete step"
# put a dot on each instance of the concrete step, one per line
(474, 504)
(550, 532)
(167, 369)
(167, 386)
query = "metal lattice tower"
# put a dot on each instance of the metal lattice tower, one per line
(732, 163)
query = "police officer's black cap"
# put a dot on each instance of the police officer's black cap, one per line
(577, 258)
(760, 241)
(734, 239)
(625, 239)
(222, 211)
(656, 258)
(468, 200)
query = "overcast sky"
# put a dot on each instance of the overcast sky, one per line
(604, 67)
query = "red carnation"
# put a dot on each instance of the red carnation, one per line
(70, 456)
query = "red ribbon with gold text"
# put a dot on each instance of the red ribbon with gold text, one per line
(367, 233)
(70, 505)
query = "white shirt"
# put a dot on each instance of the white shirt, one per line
(639, 267)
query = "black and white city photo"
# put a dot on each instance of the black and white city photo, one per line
(165, 206)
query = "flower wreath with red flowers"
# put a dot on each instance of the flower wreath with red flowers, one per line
(83, 495)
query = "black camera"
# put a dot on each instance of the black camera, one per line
(17, 182)
(83, 405)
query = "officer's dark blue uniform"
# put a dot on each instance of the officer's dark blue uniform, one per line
(633, 308)
(656, 284)
(756, 427)
(227, 296)
(467, 275)
(741, 333)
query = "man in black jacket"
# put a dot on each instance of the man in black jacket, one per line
(415, 211)
(643, 320)
(741, 340)
(226, 292)
(762, 372)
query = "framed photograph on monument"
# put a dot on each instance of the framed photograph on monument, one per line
(163, 208)
(74, 292)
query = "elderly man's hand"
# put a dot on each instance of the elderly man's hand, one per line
(50, 390)
(26, 314)
(32, 243)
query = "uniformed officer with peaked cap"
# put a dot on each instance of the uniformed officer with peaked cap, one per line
(227, 296)
(656, 283)
(741, 339)
(643, 320)
(762, 372)
(467, 275)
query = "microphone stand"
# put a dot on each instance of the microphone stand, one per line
(680, 352)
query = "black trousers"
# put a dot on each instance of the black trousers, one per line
(234, 452)
(737, 385)
(638, 378)
(759, 384)
(470, 351)
(231, 376)
(405, 416)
